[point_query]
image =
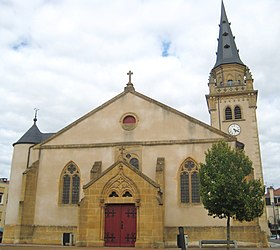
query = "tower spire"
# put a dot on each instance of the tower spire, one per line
(227, 50)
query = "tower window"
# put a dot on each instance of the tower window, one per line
(228, 113)
(1, 198)
(189, 182)
(237, 113)
(70, 184)
(230, 82)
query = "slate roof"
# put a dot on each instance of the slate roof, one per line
(275, 191)
(227, 51)
(33, 136)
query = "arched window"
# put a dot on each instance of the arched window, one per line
(230, 82)
(114, 194)
(189, 182)
(228, 113)
(127, 194)
(237, 113)
(134, 162)
(129, 119)
(70, 184)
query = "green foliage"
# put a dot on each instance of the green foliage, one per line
(224, 188)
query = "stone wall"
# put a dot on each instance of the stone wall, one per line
(244, 235)
(35, 234)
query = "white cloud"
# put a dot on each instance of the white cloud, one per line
(68, 57)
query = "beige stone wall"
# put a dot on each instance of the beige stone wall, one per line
(19, 165)
(241, 93)
(35, 234)
(49, 211)
(161, 133)
(244, 235)
(155, 123)
(4, 187)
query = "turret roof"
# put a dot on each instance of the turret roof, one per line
(227, 50)
(33, 135)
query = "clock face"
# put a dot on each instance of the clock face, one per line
(234, 129)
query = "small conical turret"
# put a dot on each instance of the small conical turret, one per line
(227, 50)
(33, 135)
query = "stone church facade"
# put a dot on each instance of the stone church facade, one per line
(126, 173)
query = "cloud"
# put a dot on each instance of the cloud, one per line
(68, 57)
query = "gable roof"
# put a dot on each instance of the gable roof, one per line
(276, 192)
(146, 98)
(148, 179)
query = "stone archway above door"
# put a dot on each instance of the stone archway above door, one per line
(120, 189)
(121, 184)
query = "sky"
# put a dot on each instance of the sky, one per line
(67, 57)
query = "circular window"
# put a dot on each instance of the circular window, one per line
(134, 162)
(129, 121)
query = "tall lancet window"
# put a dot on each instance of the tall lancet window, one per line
(70, 184)
(189, 182)
(228, 113)
(237, 113)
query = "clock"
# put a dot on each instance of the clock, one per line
(234, 129)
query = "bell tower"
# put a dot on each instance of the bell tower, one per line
(232, 99)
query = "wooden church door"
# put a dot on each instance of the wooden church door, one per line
(120, 225)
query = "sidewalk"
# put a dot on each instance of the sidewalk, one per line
(274, 245)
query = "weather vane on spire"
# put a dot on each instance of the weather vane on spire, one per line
(35, 117)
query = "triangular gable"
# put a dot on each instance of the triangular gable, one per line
(149, 100)
(122, 163)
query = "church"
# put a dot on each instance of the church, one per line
(126, 173)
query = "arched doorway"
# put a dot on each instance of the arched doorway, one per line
(110, 212)
(120, 225)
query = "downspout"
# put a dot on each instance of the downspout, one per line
(28, 156)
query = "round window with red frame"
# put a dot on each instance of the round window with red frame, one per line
(129, 121)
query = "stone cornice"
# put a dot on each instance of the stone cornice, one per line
(138, 143)
(226, 93)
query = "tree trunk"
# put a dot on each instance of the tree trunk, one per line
(228, 232)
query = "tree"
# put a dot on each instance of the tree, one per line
(226, 189)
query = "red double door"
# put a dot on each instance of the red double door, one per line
(120, 225)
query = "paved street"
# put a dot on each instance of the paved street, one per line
(275, 245)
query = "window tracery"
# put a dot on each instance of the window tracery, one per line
(70, 185)
(189, 182)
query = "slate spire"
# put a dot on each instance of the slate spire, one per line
(227, 50)
(33, 135)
